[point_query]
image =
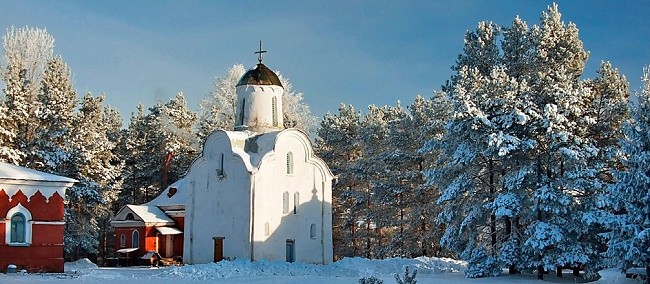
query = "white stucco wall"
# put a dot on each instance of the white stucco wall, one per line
(258, 111)
(237, 205)
(218, 206)
(309, 177)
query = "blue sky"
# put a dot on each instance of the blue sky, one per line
(358, 52)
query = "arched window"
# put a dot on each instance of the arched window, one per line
(312, 231)
(289, 163)
(285, 202)
(274, 111)
(129, 216)
(18, 227)
(135, 239)
(241, 112)
(122, 240)
(296, 202)
(220, 166)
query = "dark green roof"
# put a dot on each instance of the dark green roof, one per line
(260, 75)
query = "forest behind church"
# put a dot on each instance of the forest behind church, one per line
(519, 162)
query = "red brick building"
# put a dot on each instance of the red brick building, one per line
(31, 219)
(154, 227)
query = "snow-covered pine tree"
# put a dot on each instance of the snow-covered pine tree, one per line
(95, 165)
(217, 110)
(296, 113)
(338, 144)
(26, 52)
(168, 147)
(135, 154)
(177, 121)
(605, 111)
(554, 230)
(428, 120)
(629, 239)
(479, 141)
(13, 100)
(8, 153)
(390, 194)
(57, 102)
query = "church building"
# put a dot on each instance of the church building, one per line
(258, 192)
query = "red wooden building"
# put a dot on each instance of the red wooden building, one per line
(154, 227)
(31, 219)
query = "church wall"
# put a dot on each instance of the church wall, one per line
(218, 205)
(307, 180)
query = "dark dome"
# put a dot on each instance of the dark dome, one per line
(260, 75)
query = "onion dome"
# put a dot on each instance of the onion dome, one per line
(260, 75)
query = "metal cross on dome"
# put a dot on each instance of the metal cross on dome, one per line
(259, 57)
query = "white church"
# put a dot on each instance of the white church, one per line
(259, 191)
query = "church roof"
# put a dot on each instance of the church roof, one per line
(260, 75)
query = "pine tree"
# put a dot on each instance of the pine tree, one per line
(14, 101)
(27, 51)
(296, 113)
(337, 143)
(95, 165)
(217, 110)
(629, 239)
(57, 101)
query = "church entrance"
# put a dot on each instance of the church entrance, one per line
(291, 250)
(218, 248)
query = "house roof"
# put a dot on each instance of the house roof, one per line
(168, 231)
(175, 194)
(149, 214)
(13, 172)
(15, 178)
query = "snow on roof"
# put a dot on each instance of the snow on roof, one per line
(15, 178)
(169, 196)
(150, 214)
(13, 172)
(169, 231)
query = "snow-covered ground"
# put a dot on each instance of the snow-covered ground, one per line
(348, 270)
